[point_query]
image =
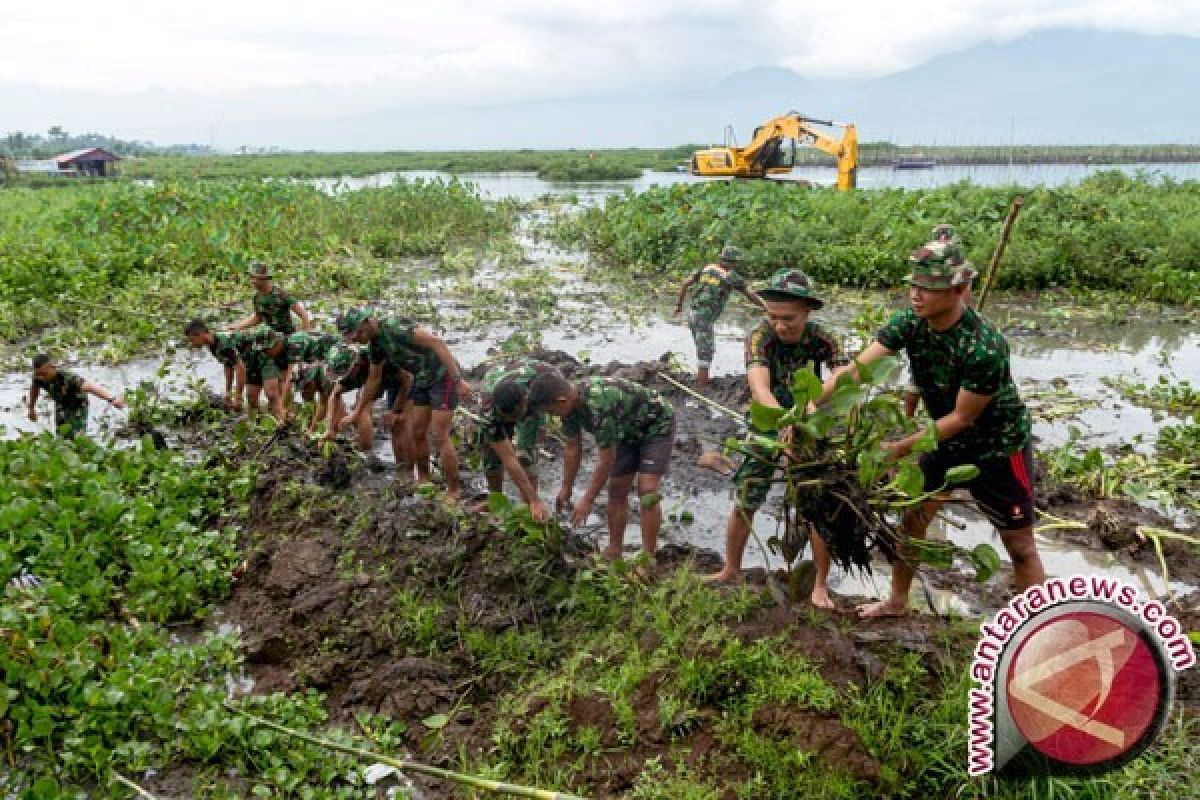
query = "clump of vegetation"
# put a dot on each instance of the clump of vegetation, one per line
(590, 169)
(1165, 394)
(1111, 232)
(118, 267)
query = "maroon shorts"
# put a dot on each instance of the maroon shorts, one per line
(441, 395)
(649, 457)
(1003, 488)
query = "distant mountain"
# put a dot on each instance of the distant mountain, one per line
(1059, 87)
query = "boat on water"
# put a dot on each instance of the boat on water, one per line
(913, 163)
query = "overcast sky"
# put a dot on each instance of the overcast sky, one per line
(354, 55)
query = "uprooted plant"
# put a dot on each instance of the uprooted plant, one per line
(839, 478)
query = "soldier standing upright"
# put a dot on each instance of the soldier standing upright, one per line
(714, 283)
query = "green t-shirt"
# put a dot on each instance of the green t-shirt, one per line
(971, 355)
(275, 309)
(712, 288)
(66, 390)
(615, 410)
(394, 345)
(816, 346)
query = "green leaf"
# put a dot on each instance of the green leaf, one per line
(961, 474)
(765, 418)
(1194, 636)
(806, 386)
(928, 441)
(498, 502)
(935, 554)
(909, 479)
(986, 561)
(436, 722)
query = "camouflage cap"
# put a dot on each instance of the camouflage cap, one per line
(791, 284)
(731, 254)
(940, 265)
(341, 358)
(258, 269)
(351, 319)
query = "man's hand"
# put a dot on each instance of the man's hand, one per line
(896, 450)
(562, 502)
(539, 512)
(581, 512)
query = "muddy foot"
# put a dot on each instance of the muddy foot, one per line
(883, 608)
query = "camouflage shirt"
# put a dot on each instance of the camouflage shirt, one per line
(712, 289)
(971, 355)
(615, 410)
(394, 345)
(232, 346)
(66, 390)
(274, 309)
(816, 346)
(521, 372)
(305, 347)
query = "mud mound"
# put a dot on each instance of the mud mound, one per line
(821, 734)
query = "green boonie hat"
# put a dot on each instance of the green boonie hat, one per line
(350, 320)
(341, 358)
(791, 284)
(940, 265)
(258, 270)
(731, 254)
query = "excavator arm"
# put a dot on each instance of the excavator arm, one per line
(763, 155)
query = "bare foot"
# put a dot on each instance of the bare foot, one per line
(724, 576)
(883, 608)
(820, 598)
(717, 462)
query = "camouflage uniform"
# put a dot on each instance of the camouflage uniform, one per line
(971, 355)
(70, 401)
(713, 286)
(306, 348)
(250, 346)
(628, 416)
(764, 348)
(274, 309)
(521, 373)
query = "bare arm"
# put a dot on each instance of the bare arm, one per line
(967, 408)
(604, 464)
(99, 391)
(34, 391)
(368, 393)
(248, 322)
(239, 383)
(512, 465)
(572, 456)
(300, 311)
(759, 378)
(683, 290)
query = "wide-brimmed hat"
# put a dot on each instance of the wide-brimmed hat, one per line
(351, 320)
(731, 255)
(258, 269)
(940, 265)
(791, 284)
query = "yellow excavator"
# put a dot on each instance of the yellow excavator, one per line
(773, 150)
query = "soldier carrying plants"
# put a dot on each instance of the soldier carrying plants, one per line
(635, 432)
(69, 393)
(714, 283)
(960, 364)
(787, 340)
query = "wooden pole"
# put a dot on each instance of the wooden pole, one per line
(990, 278)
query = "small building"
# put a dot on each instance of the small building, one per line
(92, 162)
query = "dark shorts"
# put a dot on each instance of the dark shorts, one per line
(261, 368)
(1003, 488)
(441, 395)
(649, 457)
(71, 422)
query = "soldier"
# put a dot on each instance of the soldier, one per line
(348, 368)
(251, 359)
(69, 393)
(306, 352)
(273, 306)
(437, 383)
(787, 340)
(507, 412)
(716, 282)
(635, 431)
(960, 363)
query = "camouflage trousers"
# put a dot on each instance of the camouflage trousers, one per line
(752, 481)
(701, 326)
(526, 432)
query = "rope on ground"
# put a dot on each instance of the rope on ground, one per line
(707, 401)
(137, 790)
